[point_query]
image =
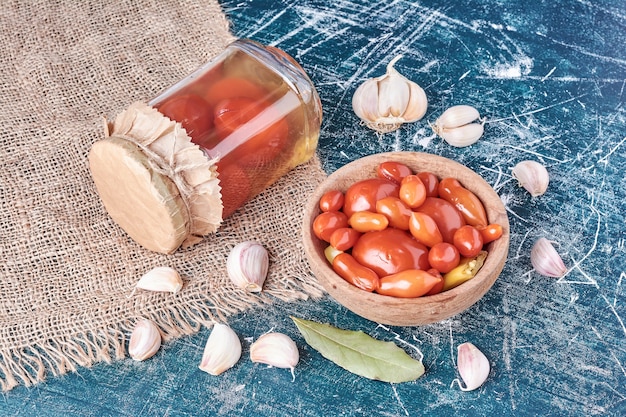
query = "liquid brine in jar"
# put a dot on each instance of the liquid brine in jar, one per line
(169, 171)
(254, 110)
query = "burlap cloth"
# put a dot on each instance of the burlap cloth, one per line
(66, 270)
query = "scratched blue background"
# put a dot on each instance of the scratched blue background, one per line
(550, 77)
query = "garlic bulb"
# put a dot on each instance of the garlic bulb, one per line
(275, 349)
(532, 176)
(473, 366)
(247, 266)
(546, 260)
(145, 340)
(162, 278)
(455, 126)
(386, 102)
(222, 350)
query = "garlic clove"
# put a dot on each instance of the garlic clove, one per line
(222, 350)
(247, 266)
(275, 349)
(384, 103)
(455, 116)
(463, 135)
(546, 260)
(473, 366)
(533, 176)
(145, 340)
(162, 278)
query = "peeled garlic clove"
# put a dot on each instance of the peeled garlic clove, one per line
(546, 260)
(385, 103)
(473, 366)
(222, 350)
(532, 176)
(462, 136)
(247, 266)
(275, 349)
(456, 116)
(145, 340)
(162, 278)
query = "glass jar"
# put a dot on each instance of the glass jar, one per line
(254, 109)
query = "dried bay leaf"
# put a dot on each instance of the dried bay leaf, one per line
(360, 353)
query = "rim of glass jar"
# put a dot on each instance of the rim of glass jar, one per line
(290, 71)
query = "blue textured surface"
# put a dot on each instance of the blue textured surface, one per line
(549, 76)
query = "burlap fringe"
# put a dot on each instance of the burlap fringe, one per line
(29, 366)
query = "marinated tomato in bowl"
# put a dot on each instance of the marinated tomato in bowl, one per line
(403, 233)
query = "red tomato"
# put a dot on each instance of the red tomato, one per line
(235, 187)
(468, 240)
(393, 171)
(344, 238)
(249, 131)
(431, 182)
(464, 200)
(396, 211)
(326, 223)
(447, 217)
(353, 272)
(424, 229)
(412, 191)
(444, 257)
(390, 251)
(366, 221)
(232, 87)
(490, 232)
(331, 201)
(410, 283)
(363, 195)
(192, 112)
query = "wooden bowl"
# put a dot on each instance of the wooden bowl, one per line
(407, 311)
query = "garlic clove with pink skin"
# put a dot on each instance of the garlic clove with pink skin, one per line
(247, 266)
(532, 176)
(473, 366)
(145, 340)
(546, 260)
(275, 349)
(222, 350)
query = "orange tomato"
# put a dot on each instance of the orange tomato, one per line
(353, 272)
(363, 195)
(444, 257)
(327, 222)
(389, 251)
(192, 112)
(470, 206)
(447, 217)
(431, 182)
(410, 283)
(344, 238)
(393, 171)
(424, 229)
(331, 201)
(248, 131)
(412, 191)
(233, 87)
(490, 232)
(468, 240)
(396, 212)
(366, 221)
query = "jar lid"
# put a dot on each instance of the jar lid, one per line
(154, 182)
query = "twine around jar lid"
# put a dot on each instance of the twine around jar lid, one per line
(154, 182)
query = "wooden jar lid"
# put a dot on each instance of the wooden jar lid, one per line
(154, 182)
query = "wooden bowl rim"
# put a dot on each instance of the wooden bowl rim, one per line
(407, 311)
